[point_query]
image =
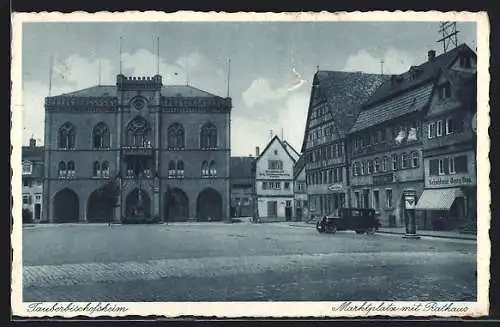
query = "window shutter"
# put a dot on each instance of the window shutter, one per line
(433, 167)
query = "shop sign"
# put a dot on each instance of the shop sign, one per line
(410, 201)
(335, 187)
(451, 180)
(274, 174)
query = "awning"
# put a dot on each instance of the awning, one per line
(438, 199)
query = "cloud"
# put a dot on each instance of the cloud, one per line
(394, 62)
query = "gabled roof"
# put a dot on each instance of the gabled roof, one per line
(344, 92)
(276, 138)
(464, 83)
(299, 166)
(427, 71)
(408, 92)
(169, 91)
(241, 167)
(292, 150)
(412, 101)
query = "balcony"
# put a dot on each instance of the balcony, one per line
(135, 150)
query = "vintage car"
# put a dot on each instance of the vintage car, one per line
(359, 220)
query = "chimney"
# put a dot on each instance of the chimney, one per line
(32, 143)
(431, 55)
(257, 151)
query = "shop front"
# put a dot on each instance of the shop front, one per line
(449, 198)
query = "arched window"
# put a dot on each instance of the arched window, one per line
(171, 169)
(369, 167)
(130, 169)
(180, 168)
(100, 136)
(97, 169)
(414, 159)
(204, 169)
(363, 167)
(62, 169)
(71, 169)
(67, 136)
(175, 136)
(208, 136)
(212, 171)
(394, 162)
(138, 132)
(105, 169)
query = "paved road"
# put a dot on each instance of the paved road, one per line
(239, 262)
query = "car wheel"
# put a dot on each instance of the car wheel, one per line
(370, 231)
(320, 228)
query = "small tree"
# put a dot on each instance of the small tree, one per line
(109, 193)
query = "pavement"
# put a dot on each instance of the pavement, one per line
(240, 262)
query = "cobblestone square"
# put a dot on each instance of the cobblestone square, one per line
(240, 262)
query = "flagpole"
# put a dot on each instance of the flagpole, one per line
(157, 55)
(120, 55)
(50, 75)
(228, 75)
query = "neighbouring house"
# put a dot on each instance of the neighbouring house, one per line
(273, 184)
(32, 179)
(300, 190)
(241, 186)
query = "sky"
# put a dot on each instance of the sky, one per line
(271, 70)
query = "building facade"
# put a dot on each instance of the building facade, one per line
(32, 179)
(449, 147)
(241, 186)
(386, 141)
(333, 107)
(300, 190)
(273, 186)
(168, 147)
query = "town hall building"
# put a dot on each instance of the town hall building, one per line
(167, 146)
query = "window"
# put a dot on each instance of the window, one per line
(340, 174)
(204, 169)
(27, 199)
(394, 162)
(388, 198)
(431, 132)
(180, 169)
(26, 183)
(138, 132)
(376, 166)
(62, 169)
(363, 167)
(38, 198)
(175, 136)
(287, 185)
(454, 125)
(414, 159)
(265, 185)
(465, 61)
(444, 91)
(460, 164)
(433, 167)
(71, 169)
(439, 128)
(451, 163)
(100, 136)
(97, 169)
(405, 161)
(212, 170)
(27, 167)
(67, 136)
(358, 200)
(208, 136)
(275, 164)
(369, 167)
(376, 199)
(330, 176)
(325, 181)
(355, 167)
(385, 163)
(440, 166)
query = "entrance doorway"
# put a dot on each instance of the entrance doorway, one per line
(288, 210)
(66, 206)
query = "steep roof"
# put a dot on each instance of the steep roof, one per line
(292, 150)
(344, 92)
(283, 145)
(169, 91)
(426, 71)
(299, 165)
(406, 93)
(241, 167)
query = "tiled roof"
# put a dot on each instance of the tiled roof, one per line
(166, 91)
(345, 92)
(406, 103)
(283, 145)
(299, 165)
(429, 70)
(241, 167)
